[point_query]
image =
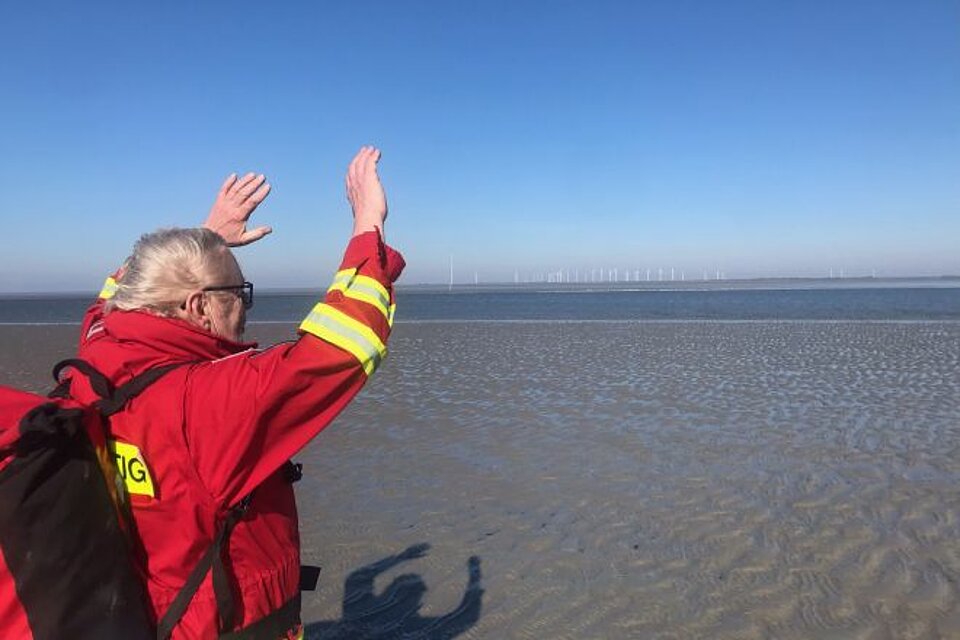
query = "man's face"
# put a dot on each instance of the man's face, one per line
(228, 316)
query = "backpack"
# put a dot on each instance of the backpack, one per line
(67, 567)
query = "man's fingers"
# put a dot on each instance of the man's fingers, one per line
(253, 235)
(353, 171)
(370, 161)
(241, 182)
(364, 160)
(361, 171)
(251, 186)
(257, 196)
(368, 155)
(358, 167)
(370, 165)
(228, 183)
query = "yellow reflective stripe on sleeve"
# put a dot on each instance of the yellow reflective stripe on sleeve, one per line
(393, 310)
(362, 288)
(373, 285)
(341, 279)
(109, 288)
(339, 329)
(370, 295)
(132, 468)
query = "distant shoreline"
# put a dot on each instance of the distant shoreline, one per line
(769, 284)
(747, 284)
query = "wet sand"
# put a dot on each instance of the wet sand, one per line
(632, 480)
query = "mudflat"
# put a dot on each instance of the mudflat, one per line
(630, 480)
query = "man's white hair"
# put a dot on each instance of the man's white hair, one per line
(164, 267)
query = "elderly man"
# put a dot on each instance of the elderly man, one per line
(205, 450)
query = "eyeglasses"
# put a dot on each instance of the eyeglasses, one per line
(244, 291)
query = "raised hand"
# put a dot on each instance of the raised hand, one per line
(234, 204)
(365, 192)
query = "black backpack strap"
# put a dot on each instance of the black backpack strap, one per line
(112, 399)
(212, 560)
(134, 387)
(61, 391)
(99, 382)
(276, 624)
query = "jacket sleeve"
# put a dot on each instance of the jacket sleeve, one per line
(246, 414)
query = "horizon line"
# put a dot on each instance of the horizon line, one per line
(506, 284)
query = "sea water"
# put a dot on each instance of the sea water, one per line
(571, 303)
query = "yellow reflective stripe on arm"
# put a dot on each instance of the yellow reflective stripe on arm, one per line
(364, 289)
(109, 288)
(372, 296)
(341, 279)
(339, 329)
(374, 286)
(393, 310)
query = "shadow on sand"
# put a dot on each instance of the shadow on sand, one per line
(395, 613)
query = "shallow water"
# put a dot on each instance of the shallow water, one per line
(643, 480)
(743, 300)
(632, 480)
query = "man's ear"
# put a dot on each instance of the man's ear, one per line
(196, 310)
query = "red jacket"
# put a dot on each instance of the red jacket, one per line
(213, 431)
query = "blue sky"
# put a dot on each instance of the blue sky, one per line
(755, 137)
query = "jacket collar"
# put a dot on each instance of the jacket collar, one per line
(170, 339)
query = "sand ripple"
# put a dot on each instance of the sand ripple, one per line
(653, 480)
(643, 480)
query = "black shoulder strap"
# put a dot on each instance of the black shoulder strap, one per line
(212, 559)
(112, 399)
(99, 382)
(134, 387)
